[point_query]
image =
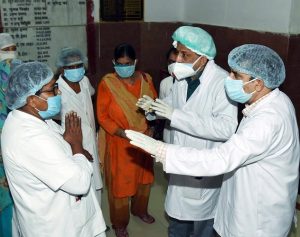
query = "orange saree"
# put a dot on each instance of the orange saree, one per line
(125, 166)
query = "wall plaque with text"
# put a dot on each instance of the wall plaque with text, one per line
(41, 28)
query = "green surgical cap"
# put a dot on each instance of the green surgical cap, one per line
(195, 39)
(260, 62)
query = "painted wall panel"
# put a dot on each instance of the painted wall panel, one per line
(42, 27)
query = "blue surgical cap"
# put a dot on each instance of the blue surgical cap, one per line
(25, 80)
(70, 56)
(195, 39)
(6, 40)
(260, 62)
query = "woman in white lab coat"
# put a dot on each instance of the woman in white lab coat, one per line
(77, 91)
(260, 161)
(48, 173)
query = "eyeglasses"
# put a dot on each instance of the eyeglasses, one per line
(54, 90)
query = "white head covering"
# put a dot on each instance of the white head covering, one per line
(6, 40)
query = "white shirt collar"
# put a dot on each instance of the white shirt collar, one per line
(249, 108)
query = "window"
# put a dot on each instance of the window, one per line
(121, 10)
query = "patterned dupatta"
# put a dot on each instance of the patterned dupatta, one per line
(136, 119)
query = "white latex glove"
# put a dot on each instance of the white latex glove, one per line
(162, 109)
(143, 141)
(145, 103)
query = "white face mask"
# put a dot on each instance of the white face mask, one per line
(171, 68)
(183, 70)
(7, 55)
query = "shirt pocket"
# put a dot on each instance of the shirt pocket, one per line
(83, 210)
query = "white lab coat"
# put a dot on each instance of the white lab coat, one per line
(38, 162)
(204, 121)
(261, 163)
(165, 89)
(82, 104)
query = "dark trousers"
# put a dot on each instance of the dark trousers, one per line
(178, 228)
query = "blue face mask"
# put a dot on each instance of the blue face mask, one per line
(54, 106)
(235, 91)
(125, 71)
(74, 75)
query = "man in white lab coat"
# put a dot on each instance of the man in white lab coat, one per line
(76, 95)
(260, 161)
(48, 173)
(165, 88)
(201, 116)
(167, 83)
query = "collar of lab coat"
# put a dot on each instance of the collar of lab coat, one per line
(28, 117)
(250, 109)
(207, 70)
(47, 124)
(62, 83)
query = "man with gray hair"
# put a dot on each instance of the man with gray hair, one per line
(201, 116)
(260, 161)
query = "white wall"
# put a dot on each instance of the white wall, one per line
(295, 17)
(260, 15)
(96, 10)
(164, 10)
(278, 16)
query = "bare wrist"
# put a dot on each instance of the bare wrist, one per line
(77, 148)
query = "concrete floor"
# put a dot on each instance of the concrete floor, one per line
(137, 228)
